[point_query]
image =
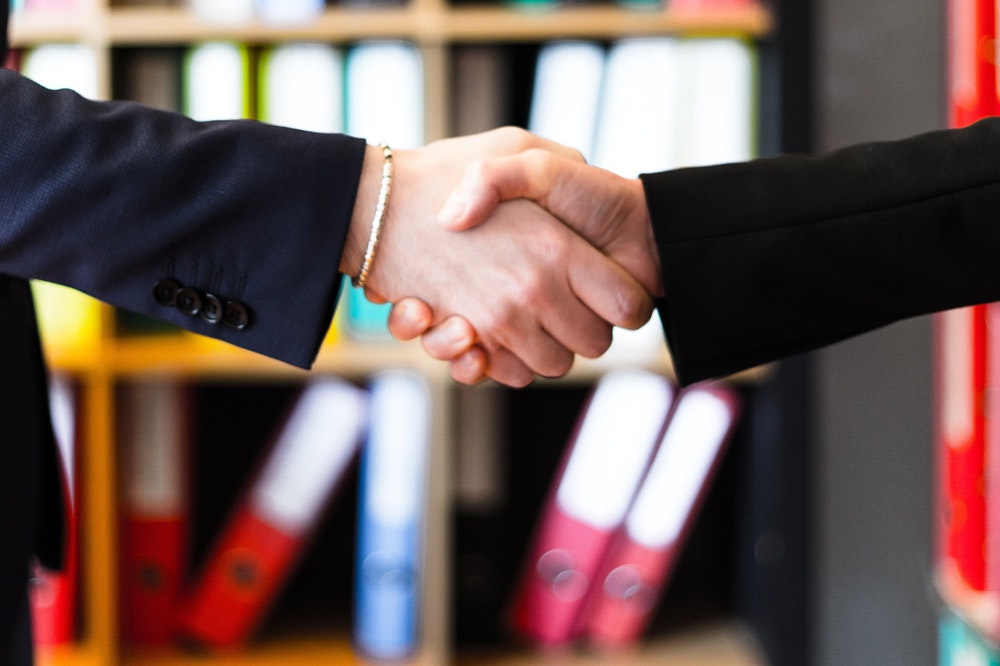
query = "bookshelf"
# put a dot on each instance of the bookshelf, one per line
(108, 360)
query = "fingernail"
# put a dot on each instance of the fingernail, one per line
(452, 210)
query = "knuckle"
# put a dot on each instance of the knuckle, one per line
(493, 323)
(552, 245)
(516, 136)
(523, 290)
(537, 153)
(533, 297)
(543, 160)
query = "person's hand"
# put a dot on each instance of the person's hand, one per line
(535, 292)
(608, 210)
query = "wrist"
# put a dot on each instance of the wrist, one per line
(363, 214)
(644, 222)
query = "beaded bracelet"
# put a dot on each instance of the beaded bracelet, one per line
(383, 199)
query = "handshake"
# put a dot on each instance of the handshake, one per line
(506, 253)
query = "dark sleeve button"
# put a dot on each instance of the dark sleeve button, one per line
(211, 308)
(165, 291)
(236, 315)
(189, 301)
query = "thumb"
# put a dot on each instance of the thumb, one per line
(472, 201)
(528, 175)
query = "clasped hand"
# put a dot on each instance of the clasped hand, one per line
(508, 254)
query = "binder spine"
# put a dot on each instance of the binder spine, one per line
(273, 521)
(604, 463)
(389, 553)
(248, 568)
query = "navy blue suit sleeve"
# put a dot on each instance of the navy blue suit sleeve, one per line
(111, 197)
(768, 258)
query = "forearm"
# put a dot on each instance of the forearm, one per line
(111, 197)
(769, 258)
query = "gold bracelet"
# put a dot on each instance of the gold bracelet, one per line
(383, 199)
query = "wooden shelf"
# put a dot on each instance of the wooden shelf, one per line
(309, 651)
(70, 655)
(187, 355)
(714, 644)
(596, 22)
(47, 26)
(179, 25)
(127, 26)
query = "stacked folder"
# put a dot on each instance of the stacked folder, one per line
(156, 446)
(53, 593)
(282, 12)
(275, 516)
(632, 479)
(221, 600)
(633, 476)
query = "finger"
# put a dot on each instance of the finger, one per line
(507, 369)
(450, 338)
(409, 318)
(537, 316)
(533, 174)
(534, 346)
(488, 182)
(587, 334)
(571, 322)
(577, 327)
(374, 297)
(470, 367)
(608, 290)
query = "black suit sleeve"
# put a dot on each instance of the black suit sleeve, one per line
(768, 258)
(112, 197)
